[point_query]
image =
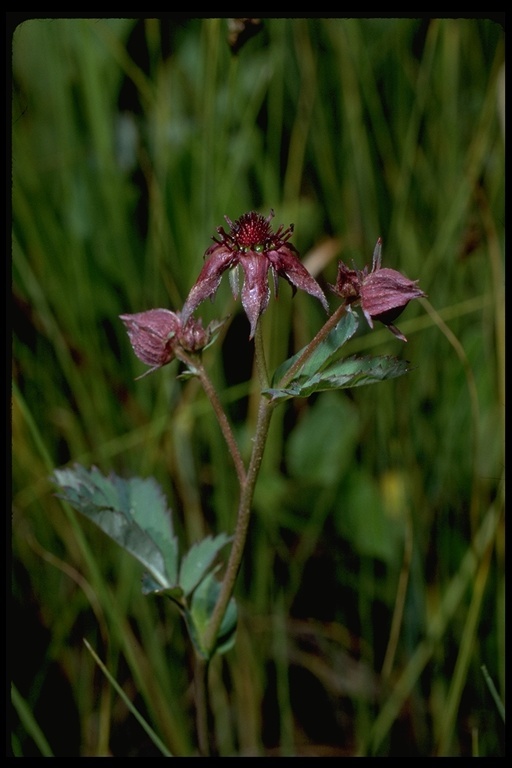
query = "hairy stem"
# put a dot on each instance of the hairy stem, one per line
(265, 409)
(211, 393)
(242, 525)
(261, 363)
(247, 486)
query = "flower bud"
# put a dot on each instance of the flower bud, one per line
(155, 335)
(383, 293)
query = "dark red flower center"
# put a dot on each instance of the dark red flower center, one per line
(252, 232)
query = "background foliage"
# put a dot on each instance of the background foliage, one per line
(372, 591)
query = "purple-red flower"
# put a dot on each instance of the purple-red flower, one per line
(158, 334)
(383, 293)
(252, 245)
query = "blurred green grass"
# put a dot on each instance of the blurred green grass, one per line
(364, 620)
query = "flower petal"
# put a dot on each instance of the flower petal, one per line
(387, 290)
(256, 291)
(219, 258)
(286, 263)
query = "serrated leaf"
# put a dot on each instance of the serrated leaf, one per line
(198, 560)
(204, 599)
(132, 512)
(323, 354)
(151, 587)
(359, 371)
(344, 374)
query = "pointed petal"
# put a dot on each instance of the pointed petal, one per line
(368, 317)
(396, 331)
(219, 259)
(286, 264)
(256, 291)
(377, 255)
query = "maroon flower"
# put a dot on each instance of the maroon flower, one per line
(158, 334)
(252, 245)
(383, 293)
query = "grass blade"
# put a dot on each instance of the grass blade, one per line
(150, 732)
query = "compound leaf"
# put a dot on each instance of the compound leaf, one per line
(132, 512)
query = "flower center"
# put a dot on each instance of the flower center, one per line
(251, 232)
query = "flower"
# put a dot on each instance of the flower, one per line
(383, 293)
(252, 245)
(158, 334)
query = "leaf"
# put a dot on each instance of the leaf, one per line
(151, 587)
(323, 354)
(323, 371)
(362, 520)
(198, 616)
(132, 512)
(347, 373)
(198, 559)
(322, 444)
(358, 371)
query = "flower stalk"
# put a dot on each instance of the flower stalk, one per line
(247, 481)
(265, 410)
(195, 364)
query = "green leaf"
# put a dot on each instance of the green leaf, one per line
(362, 520)
(204, 599)
(322, 444)
(344, 374)
(323, 371)
(151, 587)
(132, 512)
(198, 560)
(323, 354)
